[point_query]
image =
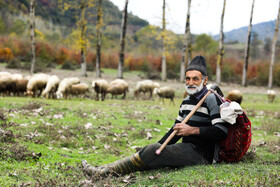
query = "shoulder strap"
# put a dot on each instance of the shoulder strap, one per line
(218, 95)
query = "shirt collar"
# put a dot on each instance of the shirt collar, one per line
(201, 93)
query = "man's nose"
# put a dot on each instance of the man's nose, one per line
(191, 82)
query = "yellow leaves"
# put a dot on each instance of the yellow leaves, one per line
(76, 41)
(39, 34)
(12, 35)
(66, 6)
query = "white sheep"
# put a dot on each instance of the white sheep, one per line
(17, 76)
(51, 87)
(271, 95)
(100, 87)
(145, 86)
(78, 89)
(4, 73)
(235, 95)
(118, 87)
(165, 92)
(36, 84)
(7, 84)
(64, 87)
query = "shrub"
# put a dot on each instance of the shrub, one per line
(68, 66)
(276, 77)
(41, 65)
(90, 67)
(61, 55)
(6, 54)
(14, 64)
(172, 75)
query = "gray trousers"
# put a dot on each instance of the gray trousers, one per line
(175, 155)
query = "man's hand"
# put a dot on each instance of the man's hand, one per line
(185, 130)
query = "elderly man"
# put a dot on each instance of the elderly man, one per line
(199, 136)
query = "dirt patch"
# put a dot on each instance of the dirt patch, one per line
(15, 151)
(32, 106)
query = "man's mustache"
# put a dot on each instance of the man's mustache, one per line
(191, 87)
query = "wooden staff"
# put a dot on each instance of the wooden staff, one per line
(158, 151)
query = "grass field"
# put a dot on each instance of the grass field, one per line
(43, 142)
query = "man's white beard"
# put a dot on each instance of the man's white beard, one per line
(196, 90)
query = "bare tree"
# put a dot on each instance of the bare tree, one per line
(122, 41)
(32, 35)
(99, 35)
(221, 47)
(163, 61)
(83, 23)
(247, 49)
(187, 45)
(270, 79)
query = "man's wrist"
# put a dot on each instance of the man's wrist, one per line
(196, 130)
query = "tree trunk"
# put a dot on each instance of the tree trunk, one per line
(32, 35)
(122, 41)
(247, 49)
(163, 61)
(186, 46)
(99, 35)
(221, 47)
(270, 79)
(83, 42)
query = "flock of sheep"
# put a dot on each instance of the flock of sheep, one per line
(49, 86)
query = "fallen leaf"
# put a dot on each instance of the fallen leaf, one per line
(62, 137)
(149, 136)
(88, 126)
(158, 122)
(155, 129)
(94, 147)
(107, 146)
(277, 134)
(261, 142)
(58, 116)
(23, 125)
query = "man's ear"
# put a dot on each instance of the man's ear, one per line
(205, 81)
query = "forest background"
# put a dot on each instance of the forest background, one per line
(58, 41)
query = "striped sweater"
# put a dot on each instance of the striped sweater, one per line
(208, 119)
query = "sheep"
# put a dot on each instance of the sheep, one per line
(17, 76)
(165, 92)
(78, 89)
(64, 87)
(271, 95)
(7, 84)
(36, 83)
(51, 87)
(21, 86)
(4, 73)
(235, 95)
(145, 86)
(100, 87)
(118, 87)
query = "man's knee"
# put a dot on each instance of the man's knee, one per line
(151, 148)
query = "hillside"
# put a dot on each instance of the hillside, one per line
(49, 11)
(264, 30)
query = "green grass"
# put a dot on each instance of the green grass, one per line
(56, 130)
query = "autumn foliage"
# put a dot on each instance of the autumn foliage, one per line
(14, 48)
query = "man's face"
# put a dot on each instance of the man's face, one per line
(194, 81)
